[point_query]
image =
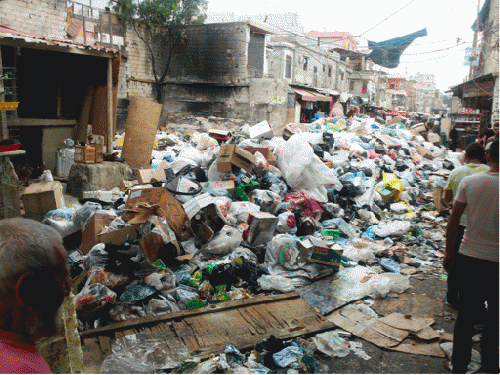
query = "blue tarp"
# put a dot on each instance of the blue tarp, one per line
(388, 52)
(483, 17)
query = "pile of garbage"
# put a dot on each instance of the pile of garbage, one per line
(336, 210)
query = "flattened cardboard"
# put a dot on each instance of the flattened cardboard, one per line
(140, 132)
(267, 153)
(226, 185)
(119, 236)
(231, 154)
(424, 152)
(154, 241)
(125, 185)
(395, 120)
(42, 197)
(434, 138)
(406, 322)
(193, 206)
(169, 208)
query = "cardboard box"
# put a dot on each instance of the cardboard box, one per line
(267, 153)
(85, 154)
(434, 138)
(146, 176)
(92, 229)
(395, 120)
(418, 129)
(193, 206)
(125, 185)
(389, 195)
(261, 228)
(424, 152)
(323, 253)
(42, 197)
(159, 238)
(220, 135)
(169, 207)
(230, 155)
(261, 130)
(227, 185)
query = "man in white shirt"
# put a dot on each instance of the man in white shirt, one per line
(477, 263)
(474, 154)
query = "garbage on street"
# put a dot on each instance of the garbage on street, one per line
(337, 212)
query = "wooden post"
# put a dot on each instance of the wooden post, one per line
(111, 134)
(4, 131)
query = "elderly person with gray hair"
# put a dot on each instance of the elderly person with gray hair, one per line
(33, 284)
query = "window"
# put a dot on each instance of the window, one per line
(288, 66)
(305, 62)
(351, 85)
(315, 69)
(324, 67)
(341, 76)
(329, 70)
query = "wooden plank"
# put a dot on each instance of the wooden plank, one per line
(83, 121)
(187, 313)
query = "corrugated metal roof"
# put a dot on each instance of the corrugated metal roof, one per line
(10, 33)
(311, 96)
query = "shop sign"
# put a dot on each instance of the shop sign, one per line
(472, 56)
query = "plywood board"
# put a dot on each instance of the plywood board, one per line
(140, 132)
(208, 330)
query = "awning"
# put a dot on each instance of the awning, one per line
(311, 96)
(328, 92)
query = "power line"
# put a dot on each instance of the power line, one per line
(387, 18)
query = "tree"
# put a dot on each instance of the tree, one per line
(163, 20)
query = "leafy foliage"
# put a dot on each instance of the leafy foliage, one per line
(166, 18)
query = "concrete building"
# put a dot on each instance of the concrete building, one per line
(396, 93)
(425, 88)
(336, 39)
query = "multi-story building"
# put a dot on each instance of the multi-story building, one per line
(336, 39)
(396, 92)
(425, 88)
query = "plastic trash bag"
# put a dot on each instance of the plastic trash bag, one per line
(304, 171)
(205, 141)
(161, 280)
(96, 256)
(381, 284)
(331, 344)
(136, 293)
(83, 214)
(101, 276)
(92, 299)
(242, 253)
(287, 356)
(241, 210)
(286, 223)
(160, 306)
(143, 354)
(282, 249)
(228, 239)
(268, 201)
(275, 282)
(123, 312)
(392, 228)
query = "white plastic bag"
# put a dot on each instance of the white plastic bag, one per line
(304, 171)
(381, 284)
(228, 239)
(392, 228)
(241, 210)
(282, 250)
(205, 141)
(274, 282)
(331, 344)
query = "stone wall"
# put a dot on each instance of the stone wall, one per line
(261, 99)
(45, 17)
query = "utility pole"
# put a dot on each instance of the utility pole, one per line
(474, 41)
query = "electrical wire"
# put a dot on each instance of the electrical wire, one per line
(387, 18)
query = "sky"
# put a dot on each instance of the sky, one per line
(445, 20)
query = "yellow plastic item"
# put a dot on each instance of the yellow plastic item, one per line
(8, 106)
(391, 180)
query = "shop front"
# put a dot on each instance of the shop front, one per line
(311, 104)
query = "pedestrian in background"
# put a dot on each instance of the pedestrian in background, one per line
(473, 157)
(477, 263)
(33, 284)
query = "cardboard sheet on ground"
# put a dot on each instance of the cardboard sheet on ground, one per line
(377, 332)
(413, 304)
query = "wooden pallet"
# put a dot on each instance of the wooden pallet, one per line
(208, 330)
